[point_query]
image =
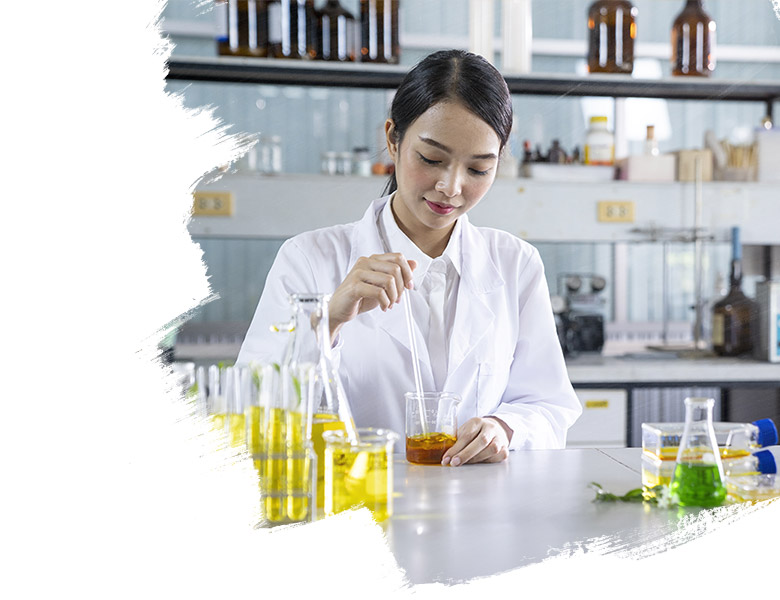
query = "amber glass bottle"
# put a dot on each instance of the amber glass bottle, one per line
(247, 28)
(335, 33)
(732, 315)
(379, 31)
(292, 29)
(611, 34)
(693, 41)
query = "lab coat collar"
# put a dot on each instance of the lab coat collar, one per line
(480, 278)
(397, 240)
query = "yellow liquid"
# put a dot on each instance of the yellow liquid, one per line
(218, 421)
(275, 471)
(255, 424)
(321, 423)
(237, 431)
(284, 467)
(358, 478)
(670, 453)
(298, 465)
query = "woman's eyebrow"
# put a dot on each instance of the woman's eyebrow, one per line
(436, 144)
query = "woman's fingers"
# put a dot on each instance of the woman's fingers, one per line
(377, 280)
(479, 440)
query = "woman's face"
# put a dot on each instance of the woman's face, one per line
(445, 164)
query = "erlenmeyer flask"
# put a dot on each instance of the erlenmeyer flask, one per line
(311, 347)
(698, 478)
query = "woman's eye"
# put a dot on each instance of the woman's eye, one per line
(428, 161)
(480, 173)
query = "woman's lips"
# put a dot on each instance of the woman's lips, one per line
(439, 209)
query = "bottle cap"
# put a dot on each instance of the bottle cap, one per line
(766, 462)
(767, 432)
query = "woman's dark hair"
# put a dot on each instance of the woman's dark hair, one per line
(455, 76)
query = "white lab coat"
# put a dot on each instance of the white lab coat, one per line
(504, 359)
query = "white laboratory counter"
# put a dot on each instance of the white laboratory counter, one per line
(451, 524)
(653, 369)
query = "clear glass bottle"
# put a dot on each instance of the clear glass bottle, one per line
(698, 478)
(693, 41)
(611, 34)
(292, 29)
(379, 31)
(733, 314)
(335, 33)
(651, 144)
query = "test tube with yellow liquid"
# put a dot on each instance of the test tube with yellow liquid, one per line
(235, 426)
(216, 401)
(288, 481)
(255, 382)
(359, 474)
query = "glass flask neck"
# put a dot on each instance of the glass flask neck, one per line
(698, 444)
(310, 329)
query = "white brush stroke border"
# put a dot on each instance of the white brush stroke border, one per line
(111, 488)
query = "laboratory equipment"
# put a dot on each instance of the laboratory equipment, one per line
(359, 473)
(611, 34)
(736, 441)
(698, 478)
(311, 348)
(431, 425)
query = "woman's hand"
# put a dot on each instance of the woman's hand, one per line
(480, 439)
(377, 280)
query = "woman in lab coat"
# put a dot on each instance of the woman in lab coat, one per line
(484, 325)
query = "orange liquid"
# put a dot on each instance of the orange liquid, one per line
(428, 449)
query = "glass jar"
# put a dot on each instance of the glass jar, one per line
(361, 164)
(330, 163)
(693, 41)
(270, 154)
(611, 34)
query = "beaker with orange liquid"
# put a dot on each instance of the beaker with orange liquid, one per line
(431, 425)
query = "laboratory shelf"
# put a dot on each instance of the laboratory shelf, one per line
(290, 72)
(285, 205)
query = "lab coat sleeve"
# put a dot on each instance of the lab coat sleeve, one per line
(539, 403)
(291, 272)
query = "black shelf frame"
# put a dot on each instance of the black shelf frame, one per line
(355, 75)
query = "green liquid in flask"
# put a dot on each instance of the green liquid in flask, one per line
(698, 485)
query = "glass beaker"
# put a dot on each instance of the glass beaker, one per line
(431, 425)
(311, 347)
(698, 478)
(359, 473)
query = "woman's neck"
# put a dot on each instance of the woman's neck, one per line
(432, 242)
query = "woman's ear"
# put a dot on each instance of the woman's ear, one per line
(391, 138)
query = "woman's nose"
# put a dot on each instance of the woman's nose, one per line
(450, 184)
